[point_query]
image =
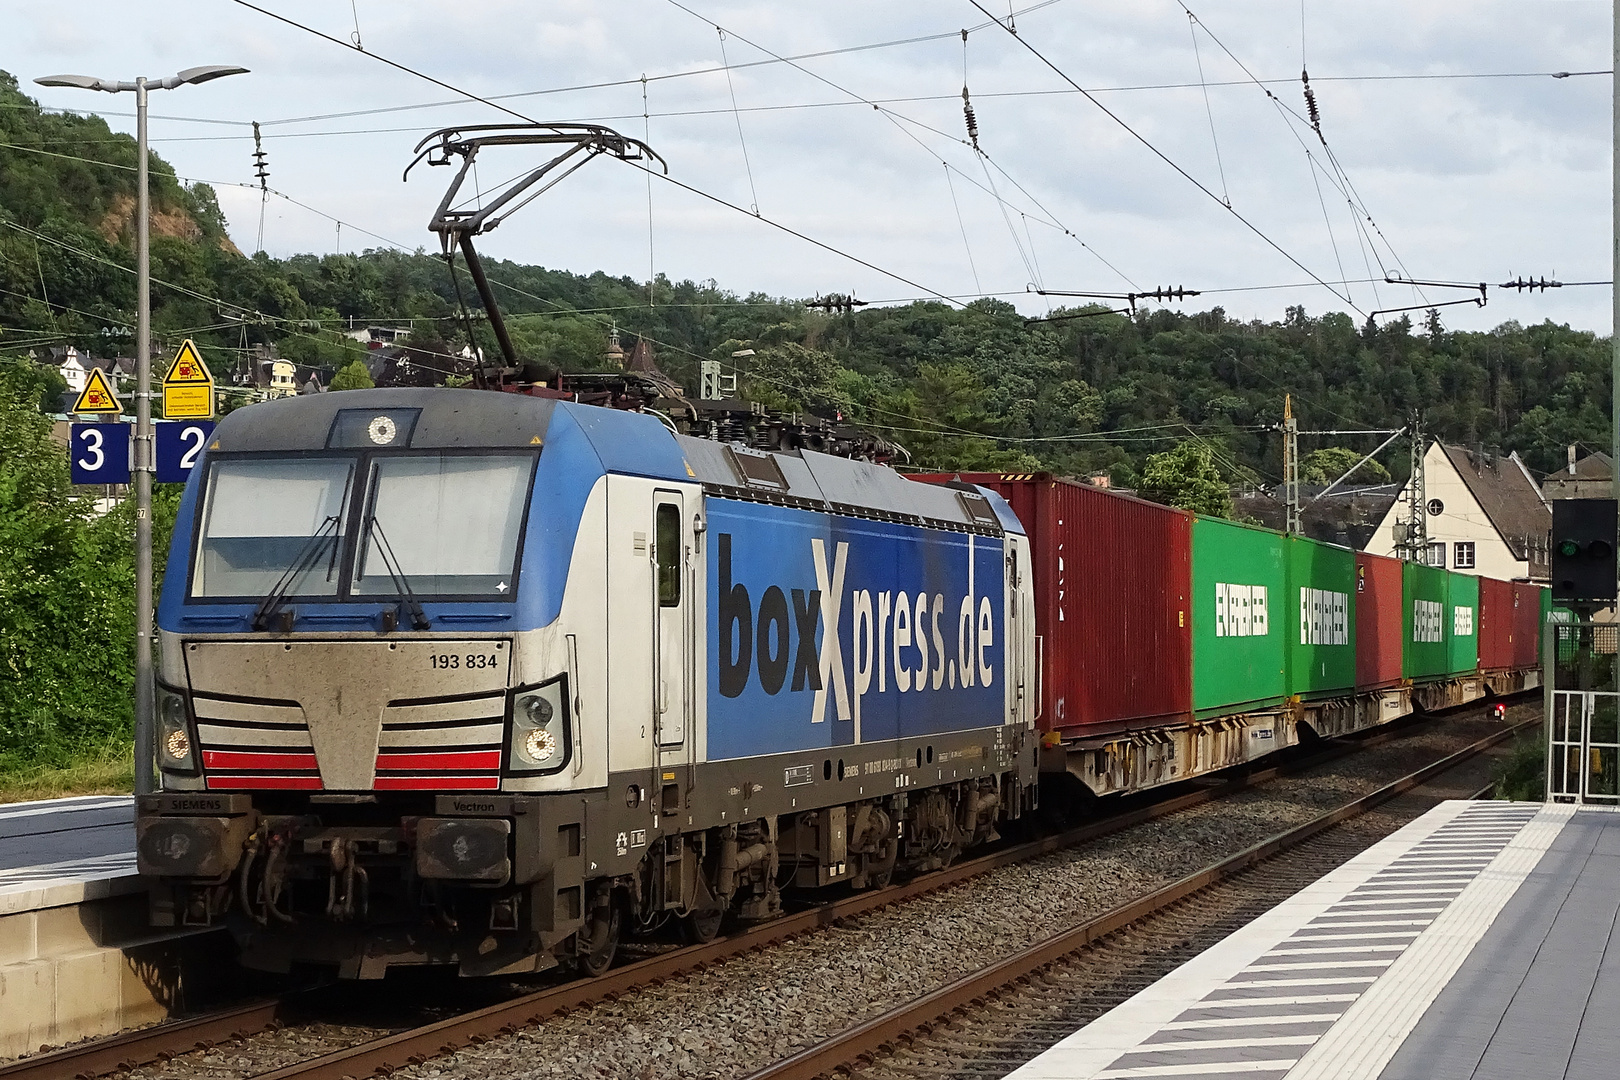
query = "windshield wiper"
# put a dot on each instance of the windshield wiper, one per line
(301, 562)
(402, 584)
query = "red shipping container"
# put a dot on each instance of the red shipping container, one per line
(1378, 621)
(1526, 625)
(1496, 624)
(1113, 580)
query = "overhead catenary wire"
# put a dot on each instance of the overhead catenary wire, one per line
(1310, 163)
(650, 172)
(564, 309)
(1226, 192)
(963, 226)
(1171, 162)
(899, 120)
(1341, 180)
(748, 166)
(1139, 88)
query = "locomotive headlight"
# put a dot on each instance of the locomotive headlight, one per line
(539, 746)
(537, 709)
(175, 752)
(539, 730)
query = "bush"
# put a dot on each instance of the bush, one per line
(1522, 775)
(67, 594)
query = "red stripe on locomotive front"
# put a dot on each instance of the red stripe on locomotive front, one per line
(437, 783)
(268, 783)
(256, 759)
(447, 760)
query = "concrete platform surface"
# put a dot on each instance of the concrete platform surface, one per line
(1480, 942)
(62, 851)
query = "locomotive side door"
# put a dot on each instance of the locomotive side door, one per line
(673, 707)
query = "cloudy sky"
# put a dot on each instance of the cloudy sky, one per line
(1476, 178)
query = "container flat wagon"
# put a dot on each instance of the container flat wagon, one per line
(1171, 645)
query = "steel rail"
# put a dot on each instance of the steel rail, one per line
(859, 1043)
(133, 1049)
(445, 1037)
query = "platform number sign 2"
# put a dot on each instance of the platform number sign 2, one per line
(99, 453)
(179, 447)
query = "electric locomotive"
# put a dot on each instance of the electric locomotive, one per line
(489, 681)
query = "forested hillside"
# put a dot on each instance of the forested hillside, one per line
(959, 387)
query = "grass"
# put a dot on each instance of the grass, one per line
(104, 770)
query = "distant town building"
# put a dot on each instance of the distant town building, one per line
(376, 337)
(1346, 516)
(1484, 515)
(1592, 477)
(264, 374)
(73, 365)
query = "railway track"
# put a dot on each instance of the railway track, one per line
(994, 1019)
(134, 1049)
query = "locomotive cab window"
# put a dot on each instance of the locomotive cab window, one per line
(268, 519)
(443, 524)
(345, 527)
(667, 541)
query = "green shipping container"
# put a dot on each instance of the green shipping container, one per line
(1240, 616)
(1425, 653)
(1321, 631)
(1462, 598)
(1550, 612)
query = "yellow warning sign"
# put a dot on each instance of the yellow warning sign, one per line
(188, 388)
(97, 396)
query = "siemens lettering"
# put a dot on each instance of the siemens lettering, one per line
(829, 631)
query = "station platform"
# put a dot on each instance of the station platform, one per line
(76, 956)
(65, 851)
(1480, 942)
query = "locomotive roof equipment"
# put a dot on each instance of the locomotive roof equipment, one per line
(456, 227)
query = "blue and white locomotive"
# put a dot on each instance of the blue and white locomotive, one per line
(488, 680)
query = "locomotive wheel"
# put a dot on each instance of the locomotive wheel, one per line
(702, 927)
(601, 941)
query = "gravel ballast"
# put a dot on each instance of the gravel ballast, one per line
(751, 1010)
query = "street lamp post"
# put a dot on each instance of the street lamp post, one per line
(145, 741)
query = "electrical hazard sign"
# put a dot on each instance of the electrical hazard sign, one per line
(97, 395)
(188, 388)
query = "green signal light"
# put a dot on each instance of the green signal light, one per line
(1568, 549)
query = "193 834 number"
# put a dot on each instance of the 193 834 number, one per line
(448, 661)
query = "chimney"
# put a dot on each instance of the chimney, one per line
(1572, 461)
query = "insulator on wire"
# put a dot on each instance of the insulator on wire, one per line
(1165, 292)
(836, 302)
(1533, 284)
(1310, 102)
(261, 162)
(972, 121)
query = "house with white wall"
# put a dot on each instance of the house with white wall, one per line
(1484, 515)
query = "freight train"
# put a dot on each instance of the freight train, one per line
(1172, 644)
(491, 681)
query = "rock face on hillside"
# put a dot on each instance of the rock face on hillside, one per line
(117, 225)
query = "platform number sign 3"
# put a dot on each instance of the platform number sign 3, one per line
(99, 453)
(179, 447)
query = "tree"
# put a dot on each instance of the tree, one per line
(1186, 477)
(67, 589)
(353, 377)
(1331, 462)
